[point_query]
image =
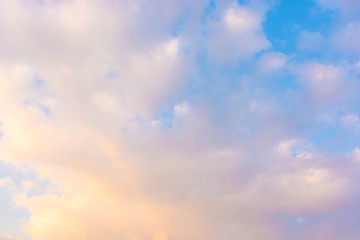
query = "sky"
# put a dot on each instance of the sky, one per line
(179, 120)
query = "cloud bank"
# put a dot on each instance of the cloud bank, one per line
(169, 121)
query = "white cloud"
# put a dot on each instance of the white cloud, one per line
(242, 20)
(199, 180)
(181, 109)
(356, 154)
(238, 34)
(323, 82)
(271, 62)
(285, 147)
(346, 39)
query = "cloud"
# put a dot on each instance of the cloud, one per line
(323, 83)
(7, 183)
(346, 38)
(6, 237)
(345, 6)
(238, 34)
(112, 73)
(271, 62)
(356, 154)
(181, 109)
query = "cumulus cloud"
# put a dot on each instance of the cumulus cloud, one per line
(238, 34)
(86, 88)
(323, 83)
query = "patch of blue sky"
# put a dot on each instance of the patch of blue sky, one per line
(42, 186)
(213, 74)
(285, 22)
(341, 56)
(164, 119)
(279, 82)
(111, 75)
(208, 12)
(178, 26)
(135, 122)
(46, 110)
(300, 220)
(242, 2)
(8, 170)
(193, 89)
(11, 216)
(296, 150)
(201, 82)
(37, 82)
(19, 173)
(354, 106)
(202, 62)
(334, 139)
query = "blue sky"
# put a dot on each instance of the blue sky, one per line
(123, 119)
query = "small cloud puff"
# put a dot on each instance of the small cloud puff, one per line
(181, 109)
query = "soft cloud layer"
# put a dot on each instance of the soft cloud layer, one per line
(183, 123)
